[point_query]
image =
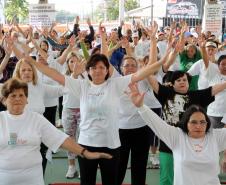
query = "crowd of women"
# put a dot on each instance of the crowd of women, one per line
(105, 78)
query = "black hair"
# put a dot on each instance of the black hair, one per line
(94, 59)
(167, 77)
(222, 57)
(178, 74)
(183, 124)
(96, 49)
(2, 51)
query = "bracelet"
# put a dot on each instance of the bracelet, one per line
(82, 153)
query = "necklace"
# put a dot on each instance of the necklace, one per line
(196, 144)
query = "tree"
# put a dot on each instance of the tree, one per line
(113, 7)
(16, 9)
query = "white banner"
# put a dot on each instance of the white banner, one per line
(213, 18)
(41, 15)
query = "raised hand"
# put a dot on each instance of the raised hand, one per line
(135, 96)
(76, 20)
(79, 67)
(173, 25)
(88, 21)
(71, 41)
(152, 30)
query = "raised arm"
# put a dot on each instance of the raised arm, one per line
(146, 71)
(8, 51)
(50, 72)
(169, 134)
(153, 42)
(104, 47)
(62, 59)
(218, 88)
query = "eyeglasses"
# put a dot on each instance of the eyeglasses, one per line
(196, 122)
(128, 65)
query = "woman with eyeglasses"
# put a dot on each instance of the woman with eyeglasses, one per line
(194, 145)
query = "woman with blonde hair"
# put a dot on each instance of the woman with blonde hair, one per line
(71, 108)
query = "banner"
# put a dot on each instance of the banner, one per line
(184, 8)
(41, 15)
(223, 2)
(213, 18)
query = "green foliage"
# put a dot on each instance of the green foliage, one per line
(16, 9)
(113, 8)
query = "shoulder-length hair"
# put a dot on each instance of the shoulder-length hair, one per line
(16, 72)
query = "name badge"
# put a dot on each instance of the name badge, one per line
(12, 139)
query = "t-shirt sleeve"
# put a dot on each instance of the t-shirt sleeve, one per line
(121, 84)
(220, 135)
(73, 85)
(195, 69)
(202, 97)
(164, 93)
(169, 134)
(224, 119)
(211, 71)
(50, 135)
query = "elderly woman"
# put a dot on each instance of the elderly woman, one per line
(21, 133)
(195, 146)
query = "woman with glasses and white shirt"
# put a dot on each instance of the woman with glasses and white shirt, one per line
(195, 146)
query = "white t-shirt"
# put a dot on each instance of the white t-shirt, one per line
(218, 107)
(199, 68)
(190, 167)
(142, 48)
(224, 119)
(129, 117)
(37, 93)
(99, 110)
(20, 139)
(50, 102)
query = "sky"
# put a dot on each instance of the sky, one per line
(74, 6)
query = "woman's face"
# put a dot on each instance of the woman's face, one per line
(26, 72)
(71, 62)
(181, 85)
(222, 67)
(197, 125)
(16, 101)
(98, 73)
(44, 46)
(191, 52)
(211, 51)
(129, 67)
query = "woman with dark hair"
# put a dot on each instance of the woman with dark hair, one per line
(175, 99)
(195, 147)
(21, 133)
(99, 101)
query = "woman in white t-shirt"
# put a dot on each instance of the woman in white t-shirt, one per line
(71, 108)
(99, 101)
(21, 133)
(38, 92)
(195, 146)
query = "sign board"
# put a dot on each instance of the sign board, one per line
(184, 9)
(41, 15)
(223, 2)
(213, 18)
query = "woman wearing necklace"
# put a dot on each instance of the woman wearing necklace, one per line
(194, 145)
